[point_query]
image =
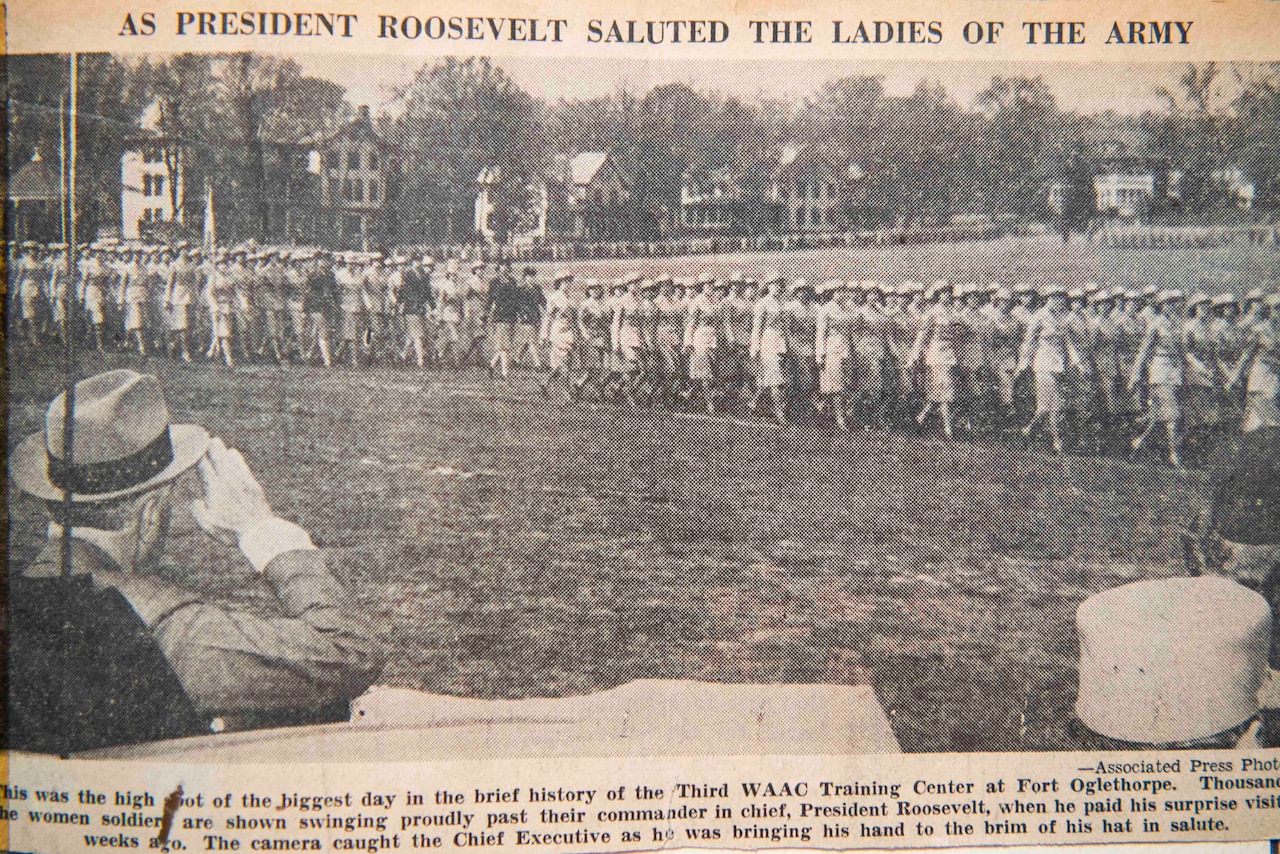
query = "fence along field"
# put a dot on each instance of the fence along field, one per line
(508, 548)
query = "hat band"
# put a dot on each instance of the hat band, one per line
(113, 475)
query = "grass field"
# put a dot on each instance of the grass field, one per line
(508, 548)
(1237, 267)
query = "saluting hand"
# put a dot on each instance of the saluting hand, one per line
(233, 501)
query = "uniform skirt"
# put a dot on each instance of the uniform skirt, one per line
(317, 327)
(1005, 377)
(1049, 397)
(93, 303)
(352, 324)
(942, 383)
(132, 316)
(179, 318)
(868, 371)
(561, 339)
(668, 351)
(415, 327)
(298, 318)
(835, 377)
(222, 321)
(1165, 405)
(503, 333)
(702, 356)
(273, 323)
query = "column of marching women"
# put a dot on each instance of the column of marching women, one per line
(1089, 369)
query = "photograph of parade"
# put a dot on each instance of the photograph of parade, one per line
(511, 380)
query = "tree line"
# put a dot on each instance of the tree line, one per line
(242, 122)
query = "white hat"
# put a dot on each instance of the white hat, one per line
(1171, 660)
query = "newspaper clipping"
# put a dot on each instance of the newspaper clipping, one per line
(641, 426)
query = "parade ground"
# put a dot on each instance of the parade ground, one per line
(505, 546)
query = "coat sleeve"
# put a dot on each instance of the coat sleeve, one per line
(312, 651)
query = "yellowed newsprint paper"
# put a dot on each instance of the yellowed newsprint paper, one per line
(495, 426)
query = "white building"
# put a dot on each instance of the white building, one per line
(1127, 195)
(147, 190)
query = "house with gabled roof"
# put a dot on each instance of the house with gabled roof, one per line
(32, 202)
(357, 167)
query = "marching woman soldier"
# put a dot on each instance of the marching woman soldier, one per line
(269, 297)
(159, 279)
(668, 338)
(133, 300)
(113, 288)
(705, 332)
(1203, 384)
(350, 286)
(1161, 361)
(373, 294)
(1106, 336)
(902, 326)
(1259, 368)
(93, 275)
(1135, 330)
(529, 320)
(295, 289)
(595, 319)
(184, 285)
(242, 315)
(1006, 333)
(417, 301)
(1229, 342)
(650, 368)
(475, 305)
(1077, 386)
(29, 271)
(833, 349)
(801, 315)
(559, 331)
(1050, 347)
(616, 362)
(505, 299)
(740, 374)
(869, 337)
(222, 290)
(58, 291)
(322, 298)
(451, 298)
(936, 345)
(769, 347)
(394, 268)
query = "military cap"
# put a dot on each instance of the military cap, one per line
(1226, 299)
(563, 275)
(1170, 295)
(1198, 298)
(800, 285)
(773, 276)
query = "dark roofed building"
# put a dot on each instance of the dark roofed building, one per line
(33, 201)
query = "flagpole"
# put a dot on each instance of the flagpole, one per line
(69, 347)
(68, 175)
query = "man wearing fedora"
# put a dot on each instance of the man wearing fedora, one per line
(106, 651)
